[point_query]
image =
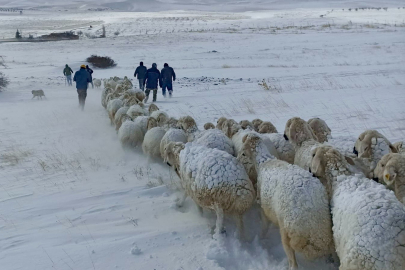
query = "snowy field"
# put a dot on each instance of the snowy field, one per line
(72, 198)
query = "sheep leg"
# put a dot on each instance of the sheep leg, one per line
(180, 201)
(240, 227)
(219, 226)
(265, 224)
(288, 250)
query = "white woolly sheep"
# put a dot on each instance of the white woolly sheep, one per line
(112, 107)
(292, 199)
(220, 121)
(171, 123)
(135, 110)
(152, 139)
(130, 134)
(368, 220)
(320, 129)
(214, 138)
(266, 127)
(301, 136)
(284, 148)
(172, 135)
(142, 121)
(120, 115)
(160, 116)
(104, 94)
(372, 146)
(256, 123)
(97, 83)
(400, 146)
(152, 108)
(208, 126)
(246, 124)
(213, 179)
(390, 170)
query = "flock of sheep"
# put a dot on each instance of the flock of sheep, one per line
(323, 201)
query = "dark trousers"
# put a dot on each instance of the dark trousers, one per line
(141, 85)
(168, 86)
(147, 91)
(82, 97)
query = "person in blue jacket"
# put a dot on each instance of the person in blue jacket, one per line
(167, 75)
(82, 78)
(152, 80)
(141, 72)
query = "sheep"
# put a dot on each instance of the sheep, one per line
(320, 129)
(214, 179)
(371, 146)
(292, 199)
(112, 107)
(171, 123)
(120, 115)
(135, 110)
(152, 139)
(400, 146)
(283, 147)
(104, 94)
(142, 121)
(208, 126)
(152, 108)
(212, 138)
(130, 134)
(256, 123)
(390, 170)
(220, 121)
(172, 135)
(301, 136)
(368, 220)
(246, 124)
(160, 116)
(267, 127)
(97, 83)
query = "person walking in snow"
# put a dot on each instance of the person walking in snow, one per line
(152, 79)
(82, 78)
(141, 72)
(90, 71)
(167, 76)
(67, 71)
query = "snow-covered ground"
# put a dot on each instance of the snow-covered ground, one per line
(72, 198)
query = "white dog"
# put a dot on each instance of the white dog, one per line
(38, 93)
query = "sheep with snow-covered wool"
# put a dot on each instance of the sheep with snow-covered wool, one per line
(152, 108)
(214, 179)
(400, 146)
(256, 123)
(171, 123)
(120, 115)
(292, 199)
(172, 135)
(246, 124)
(220, 121)
(160, 116)
(152, 139)
(368, 220)
(370, 147)
(130, 134)
(320, 129)
(97, 82)
(267, 127)
(135, 110)
(112, 107)
(302, 137)
(106, 91)
(142, 121)
(208, 126)
(284, 148)
(390, 171)
(212, 138)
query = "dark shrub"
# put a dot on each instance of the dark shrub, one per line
(101, 61)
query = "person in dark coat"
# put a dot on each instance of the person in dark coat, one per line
(82, 78)
(67, 71)
(152, 79)
(90, 71)
(167, 74)
(141, 72)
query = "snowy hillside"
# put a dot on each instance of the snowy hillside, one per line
(72, 198)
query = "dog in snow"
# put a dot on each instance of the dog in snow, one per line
(38, 93)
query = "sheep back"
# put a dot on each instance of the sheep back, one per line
(172, 135)
(214, 138)
(151, 142)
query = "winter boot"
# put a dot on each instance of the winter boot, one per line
(146, 99)
(170, 94)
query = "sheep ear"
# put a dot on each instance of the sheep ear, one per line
(350, 160)
(244, 138)
(393, 149)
